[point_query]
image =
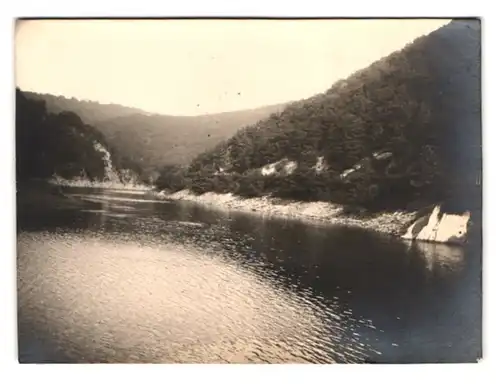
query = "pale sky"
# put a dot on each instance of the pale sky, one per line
(193, 67)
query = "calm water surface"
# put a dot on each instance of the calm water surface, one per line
(118, 277)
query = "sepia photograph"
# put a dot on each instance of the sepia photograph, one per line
(248, 190)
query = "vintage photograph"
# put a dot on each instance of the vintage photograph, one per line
(249, 191)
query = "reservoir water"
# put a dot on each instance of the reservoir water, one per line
(115, 276)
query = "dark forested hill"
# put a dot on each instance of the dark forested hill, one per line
(49, 143)
(404, 132)
(152, 140)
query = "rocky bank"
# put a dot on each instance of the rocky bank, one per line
(433, 227)
(389, 223)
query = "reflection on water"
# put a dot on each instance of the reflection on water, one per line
(445, 258)
(170, 303)
(120, 279)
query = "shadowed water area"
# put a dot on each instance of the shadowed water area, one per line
(115, 276)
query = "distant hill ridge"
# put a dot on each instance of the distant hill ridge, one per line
(151, 140)
(90, 111)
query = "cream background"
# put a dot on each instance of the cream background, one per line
(191, 67)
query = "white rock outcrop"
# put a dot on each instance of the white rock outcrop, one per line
(269, 169)
(320, 165)
(349, 171)
(282, 166)
(290, 167)
(440, 227)
(382, 155)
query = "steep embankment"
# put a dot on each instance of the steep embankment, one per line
(153, 140)
(401, 135)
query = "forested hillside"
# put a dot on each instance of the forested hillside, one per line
(156, 140)
(152, 140)
(403, 133)
(49, 143)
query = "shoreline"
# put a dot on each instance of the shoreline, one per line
(85, 183)
(434, 227)
(391, 223)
